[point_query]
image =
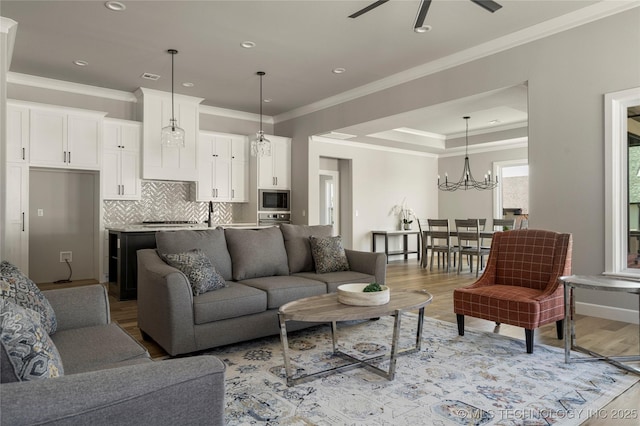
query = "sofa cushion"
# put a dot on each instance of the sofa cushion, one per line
(91, 348)
(296, 242)
(19, 289)
(284, 289)
(28, 346)
(195, 264)
(328, 254)
(334, 279)
(233, 301)
(257, 252)
(210, 241)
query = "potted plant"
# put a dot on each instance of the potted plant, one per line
(405, 214)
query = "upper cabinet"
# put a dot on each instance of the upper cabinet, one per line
(274, 172)
(65, 138)
(17, 133)
(240, 169)
(168, 163)
(214, 167)
(121, 160)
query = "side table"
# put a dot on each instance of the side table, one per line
(600, 283)
(405, 244)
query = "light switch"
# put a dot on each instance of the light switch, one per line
(40, 212)
(357, 213)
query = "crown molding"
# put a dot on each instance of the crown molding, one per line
(362, 145)
(70, 87)
(566, 22)
(8, 27)
(486, 147)
(232, 113)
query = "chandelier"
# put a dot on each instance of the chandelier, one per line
(172, 135)
(466, 180)
(260, 146)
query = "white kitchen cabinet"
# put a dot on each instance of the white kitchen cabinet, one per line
(240, 169)
(121, 160)
(17, 216)
(214, 167)
(17, 133)
(161, 162)
(65, 138)
(274, 172)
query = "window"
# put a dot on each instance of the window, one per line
(622, 183)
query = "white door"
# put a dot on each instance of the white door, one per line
(17, 221)
(48, 135)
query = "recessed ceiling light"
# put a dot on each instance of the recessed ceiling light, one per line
(116, 6)
(423, 29)
(248, 44)
(187, 84)
(81, 63)
(338, 70)
(267, 100)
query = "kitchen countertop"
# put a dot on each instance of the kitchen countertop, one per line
(174, 227)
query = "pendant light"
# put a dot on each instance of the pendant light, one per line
(466, 180)
(260, 146)
(173, 135)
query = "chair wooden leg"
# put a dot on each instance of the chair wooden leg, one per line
(528, 334)
(560, 329)
(460, 319)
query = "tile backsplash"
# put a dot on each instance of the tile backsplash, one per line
(162, 201)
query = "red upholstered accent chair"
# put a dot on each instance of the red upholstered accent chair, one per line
(520, 284)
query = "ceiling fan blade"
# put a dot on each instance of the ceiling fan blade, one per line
(422, 13)
(489, 5)
(368, 8)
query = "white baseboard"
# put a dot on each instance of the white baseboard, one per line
(608, 312)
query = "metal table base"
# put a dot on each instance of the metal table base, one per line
(594, 283)
(353, 361)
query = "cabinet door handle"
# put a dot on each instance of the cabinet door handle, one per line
(23, 156)
(64, 156)
(22, 221)
(69, 157)
(233, 193)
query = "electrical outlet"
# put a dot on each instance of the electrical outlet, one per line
(66, 256)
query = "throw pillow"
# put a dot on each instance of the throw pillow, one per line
(19, 289)
(195, 264)
(28, 346)
(296, 242)
(328, 254)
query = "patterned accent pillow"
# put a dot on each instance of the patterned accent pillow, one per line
(328, 254)
(29, 347)
(19, 289)
(195, 264)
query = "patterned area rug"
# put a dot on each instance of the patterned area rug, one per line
(477, 379)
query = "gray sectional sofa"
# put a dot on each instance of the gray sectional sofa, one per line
(109, 377)
(263, 268)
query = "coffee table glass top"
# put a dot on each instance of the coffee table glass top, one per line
(326, 308)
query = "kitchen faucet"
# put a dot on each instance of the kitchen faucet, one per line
(210, 211)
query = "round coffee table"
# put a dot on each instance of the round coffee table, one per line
(326, 308)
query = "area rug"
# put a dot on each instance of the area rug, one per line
(476, 379)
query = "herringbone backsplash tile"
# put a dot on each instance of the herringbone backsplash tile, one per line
(164, 201)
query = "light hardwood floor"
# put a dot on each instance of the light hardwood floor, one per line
(600, 335)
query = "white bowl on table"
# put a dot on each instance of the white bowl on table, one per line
(353, 294)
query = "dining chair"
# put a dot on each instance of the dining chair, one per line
(520, 285)
(504, 224)
(440, 242)
(469, 243)
(423, 227)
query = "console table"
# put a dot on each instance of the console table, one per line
(600, 283)
(405, 242)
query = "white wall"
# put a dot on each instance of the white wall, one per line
(381, 179)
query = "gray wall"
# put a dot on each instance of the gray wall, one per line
(68, 201)
(567, 75)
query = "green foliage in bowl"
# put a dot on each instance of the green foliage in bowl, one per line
(372, 287)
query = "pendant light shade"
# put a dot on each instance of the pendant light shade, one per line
(466, 180)
(260, 146)
(172, 135)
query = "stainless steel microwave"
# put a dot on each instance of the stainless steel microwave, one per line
(274, 200)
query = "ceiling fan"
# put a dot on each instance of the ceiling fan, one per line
(489, 5)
